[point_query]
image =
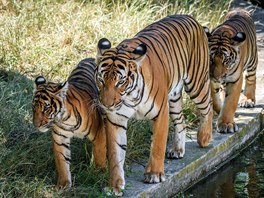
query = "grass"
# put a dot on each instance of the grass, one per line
(49, 37)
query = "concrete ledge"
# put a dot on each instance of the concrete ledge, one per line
(199, 162)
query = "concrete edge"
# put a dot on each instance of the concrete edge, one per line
(208, 163)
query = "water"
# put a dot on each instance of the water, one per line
(241, 177)
(259, 3)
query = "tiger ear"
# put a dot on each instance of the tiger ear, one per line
(62, 89)
(40, 80)
(140, 50)
(238, 39)
(103, 45)
(207, 31)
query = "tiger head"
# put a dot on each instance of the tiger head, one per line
(47, 103)
(224, 49)
(118, 71)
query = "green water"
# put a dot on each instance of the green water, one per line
(241, 177)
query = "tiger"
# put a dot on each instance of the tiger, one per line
(69, 110)
(143, 77)
(233, 51)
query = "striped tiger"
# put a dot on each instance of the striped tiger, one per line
(233, 49)
(70, 110)
(143, 77)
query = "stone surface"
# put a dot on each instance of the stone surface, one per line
(199, 162)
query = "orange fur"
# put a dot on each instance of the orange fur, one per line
(69, 110)
(233, 50)
(143, 77)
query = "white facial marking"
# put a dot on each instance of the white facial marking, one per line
(105, 43)
(239, 35)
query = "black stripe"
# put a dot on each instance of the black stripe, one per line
(178, 119)
(181, 130)
(160, 108)
(59, 134)
(152, 104)
(122, 146)
(175, 113)
(175, 100)
(67, 159)
(62, 144)
(118, 125)
(122, 115)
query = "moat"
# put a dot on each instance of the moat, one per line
(241, 177)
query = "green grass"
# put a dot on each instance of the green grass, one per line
(49, 37)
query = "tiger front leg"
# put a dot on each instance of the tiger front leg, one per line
(154, 171)
(62, 156)
(116, 149)
(225, 122)
(178, 149)
(248, 97)
(218, 96)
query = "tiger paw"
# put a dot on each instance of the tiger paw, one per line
(154, 177)
(246, 102)
(227, 127)
(175, 154)
(63, 184)
(117, 186)
(204, 138)
(113, 191)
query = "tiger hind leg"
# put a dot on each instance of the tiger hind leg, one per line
(225, 121)
(62, 156)
(178, 148)
(116, 151)
(202, 99)
(218, 96)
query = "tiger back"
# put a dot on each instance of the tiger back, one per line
(143, 77)
(233, 49)
(70, 109)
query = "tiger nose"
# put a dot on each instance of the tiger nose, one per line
(107, 102)
(36, 122)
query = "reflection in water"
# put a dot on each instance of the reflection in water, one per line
(259, 3)
(241, 177)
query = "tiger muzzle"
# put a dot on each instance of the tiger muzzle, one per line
(109, 98)
(110, 103)
(41, 122)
